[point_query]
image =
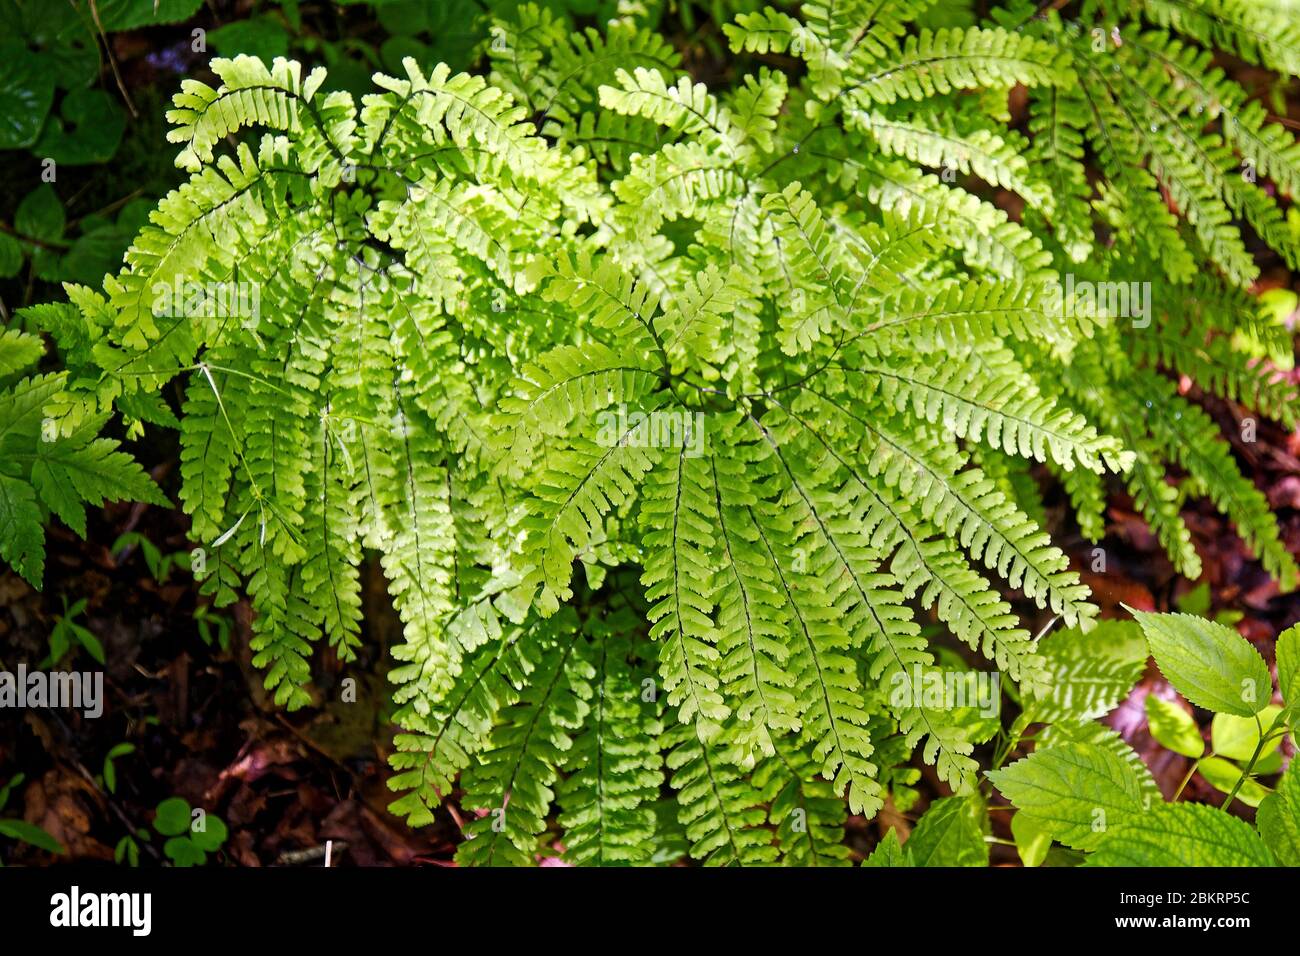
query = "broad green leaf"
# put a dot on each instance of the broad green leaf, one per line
(132, 14)
(1196, 601)
(40, 214)
(395, 49)
(950, 833)
(889, 852)
(87, 129)
(1279, 818)
(26, 93)
(261, 37)
(1173, 728)
(1032, 838)
(1182, 834)
(1074, 792)
(11, 256)
(1236, 737)
(447, 22)
(1223, 776)
(172, 817)
(1288, 669)
(1099, 735)
(1269, 764)
(30, 833)
(212, 836)
(94, 254)
(1211, 665)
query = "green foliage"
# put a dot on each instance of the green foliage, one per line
(1086, 674)
(1100, 799)
(21, 830)
(52, 468)
(889, 852)
(50, 47)
(60, 251)
(1073, 792)
(1173, 728)
(951, 833)
(1183, 834)
(191, 834)
(1279, 819)
(1211, 665)
(67, 633)
(729, 352)
(110, 767)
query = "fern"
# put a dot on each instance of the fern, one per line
(688, 423)
(48, 468)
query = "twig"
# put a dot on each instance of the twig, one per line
(131, 828)
(51, 244)
(298, 857)
(1264, 737)
(114, 205)
(112, 61)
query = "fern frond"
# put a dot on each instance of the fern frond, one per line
(938, 62)
(513, 781)
(614, 764)
(1188, 436)
(680, 586)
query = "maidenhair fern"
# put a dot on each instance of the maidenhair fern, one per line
(677, 414)
(47, 470)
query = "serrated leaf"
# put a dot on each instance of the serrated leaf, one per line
(950, 833)
(18, 350)
(889, 852)
(1182, 834)
(1099, 735)
(1279, 818)
(1211, 665)
(1288, 669)
(67, 474)
(1075, 792)
(22, 540)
